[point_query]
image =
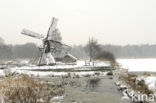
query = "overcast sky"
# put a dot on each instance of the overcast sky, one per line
(119, 22)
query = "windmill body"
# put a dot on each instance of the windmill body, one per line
(47, 48)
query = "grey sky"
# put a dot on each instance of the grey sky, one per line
(110, 21)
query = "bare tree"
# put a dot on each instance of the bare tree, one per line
(92, 48)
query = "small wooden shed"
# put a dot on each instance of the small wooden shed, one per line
(68, 58)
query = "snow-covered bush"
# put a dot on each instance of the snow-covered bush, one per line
(137, 85)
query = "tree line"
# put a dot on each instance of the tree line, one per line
(128, 51)
(30, 50)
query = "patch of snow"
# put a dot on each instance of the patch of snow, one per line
(57, 97)
(38, 73)
(123, 86)
(84, 73)
(150, 81)
(80, 63)
(102, 63)
(24, 62)
(2, 73)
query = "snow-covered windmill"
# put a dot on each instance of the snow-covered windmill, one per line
(48, 42)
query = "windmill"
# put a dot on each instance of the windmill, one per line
(48, 42)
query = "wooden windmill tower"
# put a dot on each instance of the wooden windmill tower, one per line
(48, 41)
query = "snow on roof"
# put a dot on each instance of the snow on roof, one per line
(68, 54)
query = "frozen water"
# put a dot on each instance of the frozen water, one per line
(148, 65)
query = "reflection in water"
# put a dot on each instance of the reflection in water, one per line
(93, 83)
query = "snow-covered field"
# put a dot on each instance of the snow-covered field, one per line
(148, 65)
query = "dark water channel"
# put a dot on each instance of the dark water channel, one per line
(101, 85)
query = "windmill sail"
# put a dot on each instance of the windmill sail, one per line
(51, 31)
(32, 34)
(52, 28)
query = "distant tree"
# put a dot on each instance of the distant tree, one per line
(29, 50)
(131, 51)
(1, 41)
(5, 51)
(92, 48)
(79, 51)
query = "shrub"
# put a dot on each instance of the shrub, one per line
(105, 55)
(77, 76)
(137, 85)
(110, 73)
(97, 73)
(23, 89)
(87, 75)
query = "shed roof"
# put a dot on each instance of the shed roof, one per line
(68, 54)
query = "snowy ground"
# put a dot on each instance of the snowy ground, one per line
(48, 70)
(138, 65)
(150, 81)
